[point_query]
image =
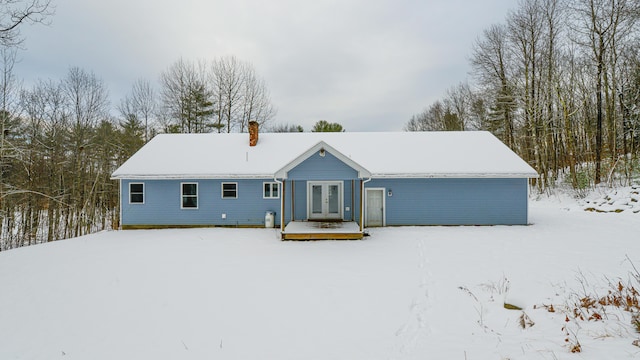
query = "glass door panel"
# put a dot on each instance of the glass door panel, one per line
(316, 199)
(325, 200)
(333, 199)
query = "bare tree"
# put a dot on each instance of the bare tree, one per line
(430, 119)
(239, 95)
(256, 104)
(176, 81)
(142, 104)
(186, 98)
(525, 31)
(629, 102)
(223, 95)
(437, 117)
(559, 84)
(458, 100)
(491, 64)
(68, 147)
(286, 128)
(8, 95)
(227, 77)
(45, 168)
(478, 111)
(14, 13)
(8, 89)
(87, 99)
(601, 25)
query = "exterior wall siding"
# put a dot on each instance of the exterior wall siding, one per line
(320, 168)
(162, 200)
(317, 167)
(413, 201)
(300, 200)
(455, 201)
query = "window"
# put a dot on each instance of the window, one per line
(136, 193)
(229, 190)
(271, 190)
(189, 195)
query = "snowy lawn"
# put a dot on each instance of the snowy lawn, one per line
(402, 293)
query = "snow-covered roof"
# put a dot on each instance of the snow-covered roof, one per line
(383, 154)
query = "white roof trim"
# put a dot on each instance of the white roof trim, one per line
(284, 171)
(191, 176)
(455, 175)
(373, 176)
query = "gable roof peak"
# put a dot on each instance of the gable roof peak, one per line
(321, 148)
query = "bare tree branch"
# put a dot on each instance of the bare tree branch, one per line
(14, 13)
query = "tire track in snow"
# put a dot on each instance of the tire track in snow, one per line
(417, 324)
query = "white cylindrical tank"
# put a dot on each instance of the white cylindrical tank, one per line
(269, 219)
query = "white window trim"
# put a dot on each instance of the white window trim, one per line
(143, 193)
(182, 195)
(222, 190)
(272, 184)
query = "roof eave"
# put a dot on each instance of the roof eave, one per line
(283, 172)
(454, 175)
(374, 176)
(189, 176)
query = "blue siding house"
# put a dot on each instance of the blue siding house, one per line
(323, 179)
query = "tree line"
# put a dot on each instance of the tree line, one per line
(221, 96)
(559, 83)
(60, 140)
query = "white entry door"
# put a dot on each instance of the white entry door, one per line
(325, 200)
(374, 207)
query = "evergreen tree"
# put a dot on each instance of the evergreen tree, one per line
(325, 126)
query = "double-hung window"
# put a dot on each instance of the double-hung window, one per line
(271, 190)
(189, 192)
(136, 193)
(229, 190)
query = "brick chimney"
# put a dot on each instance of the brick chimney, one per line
(253, 133)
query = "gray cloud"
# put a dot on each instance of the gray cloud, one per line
(366, 64)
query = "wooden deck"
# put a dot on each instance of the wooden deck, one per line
(321, 230)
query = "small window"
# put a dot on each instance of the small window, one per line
(136, 193)
(189, 195)
(271, 190)
(229, 190)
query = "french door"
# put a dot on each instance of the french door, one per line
(325, 199)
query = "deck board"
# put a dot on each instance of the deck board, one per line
(320, 230)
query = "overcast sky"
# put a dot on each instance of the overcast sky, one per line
(366, 64)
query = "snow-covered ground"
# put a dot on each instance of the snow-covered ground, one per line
(614, 200)
(402, 293)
